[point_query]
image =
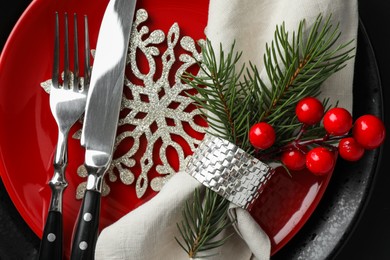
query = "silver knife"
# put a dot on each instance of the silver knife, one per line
(101, 118)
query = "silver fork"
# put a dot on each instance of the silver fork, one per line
(67, 104)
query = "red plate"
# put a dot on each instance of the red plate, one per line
(28, 133)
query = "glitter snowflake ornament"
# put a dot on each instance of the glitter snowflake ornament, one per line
(158, 119)
(155, 104)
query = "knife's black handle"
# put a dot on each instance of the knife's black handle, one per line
(51, 243)
(86, 232)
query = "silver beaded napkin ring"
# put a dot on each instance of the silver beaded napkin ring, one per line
(229, 171)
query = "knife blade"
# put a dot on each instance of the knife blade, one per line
(101, 118)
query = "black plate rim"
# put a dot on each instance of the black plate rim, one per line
(305, 245)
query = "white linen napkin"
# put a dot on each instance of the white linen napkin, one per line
(148, 232)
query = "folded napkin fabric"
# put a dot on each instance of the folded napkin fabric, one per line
(251, 24)
(148, 232)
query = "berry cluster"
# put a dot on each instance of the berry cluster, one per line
(318, 155)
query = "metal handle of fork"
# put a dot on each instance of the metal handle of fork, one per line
(58, 182)
(52, 238)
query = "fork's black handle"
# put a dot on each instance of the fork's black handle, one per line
(86, 232)
(51, 243)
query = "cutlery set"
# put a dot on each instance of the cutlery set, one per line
(99, 99)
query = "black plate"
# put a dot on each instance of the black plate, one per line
(322, 237)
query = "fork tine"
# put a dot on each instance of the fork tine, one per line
(56, 60)
(87, 53)
(66, 58)
(76, 72)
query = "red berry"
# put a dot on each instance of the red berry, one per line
(350, 150)
(294, 160)
(309, 110)
(262, 135)
(337, 121)
(320, 161)
(369, 131)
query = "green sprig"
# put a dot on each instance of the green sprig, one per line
(234, 97)
(202, 223)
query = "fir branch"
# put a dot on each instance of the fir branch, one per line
(232, 101)
(218, 90)
(232, 98)
(296, 68)
(202, 223)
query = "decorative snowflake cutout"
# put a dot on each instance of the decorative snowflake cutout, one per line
(157, 109)
(156, 112)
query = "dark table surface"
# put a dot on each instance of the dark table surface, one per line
(370, 236)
